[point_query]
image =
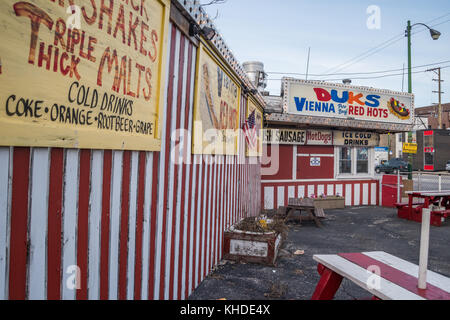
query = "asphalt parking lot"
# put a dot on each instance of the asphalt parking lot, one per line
(347, 230)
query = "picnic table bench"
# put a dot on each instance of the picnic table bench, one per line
(398, 279)
(438, 201)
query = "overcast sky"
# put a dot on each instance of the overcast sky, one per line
(279, 33)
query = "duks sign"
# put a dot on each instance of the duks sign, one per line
(317, 99)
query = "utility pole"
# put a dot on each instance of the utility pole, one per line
(435, 36)
(408, 35)
(439, 92)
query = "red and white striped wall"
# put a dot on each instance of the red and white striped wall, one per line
(356, 192)
(99, 224)
(288, 173)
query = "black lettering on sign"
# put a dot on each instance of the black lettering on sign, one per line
(83, 96)
(70, 115)
(24, 107)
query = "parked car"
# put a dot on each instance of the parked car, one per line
(447, 166)
(392, 166)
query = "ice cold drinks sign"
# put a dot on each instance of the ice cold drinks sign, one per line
(356, 139)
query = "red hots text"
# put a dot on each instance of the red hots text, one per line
(347, 103)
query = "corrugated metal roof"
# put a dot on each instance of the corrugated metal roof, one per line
(299, 120)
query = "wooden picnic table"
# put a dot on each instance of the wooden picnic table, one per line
(439, 199)
(429, 197)
(306, 205)
(397, 279)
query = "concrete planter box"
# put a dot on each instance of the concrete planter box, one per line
(251, 247)
(330, 203)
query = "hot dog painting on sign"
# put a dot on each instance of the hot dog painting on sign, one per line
(83, 74)
(329, 100)
(217, 103)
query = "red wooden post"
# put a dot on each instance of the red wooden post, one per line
(328, 285)
(427, 202)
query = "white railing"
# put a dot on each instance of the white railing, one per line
(422, 181)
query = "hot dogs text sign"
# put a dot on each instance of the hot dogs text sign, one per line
(317, 99)
(82, 74)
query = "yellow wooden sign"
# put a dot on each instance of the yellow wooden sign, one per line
(410, 148)
(82, 74)
(255, 145)
(216, 112)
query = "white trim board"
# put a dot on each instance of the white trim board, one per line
(361, 277)
(355, 179)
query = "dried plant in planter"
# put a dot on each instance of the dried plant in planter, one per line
(255, 240)
(263, 225)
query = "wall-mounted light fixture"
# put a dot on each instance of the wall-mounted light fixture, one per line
(250, 91)
(207, 32)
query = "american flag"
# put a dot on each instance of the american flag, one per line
(250, 131)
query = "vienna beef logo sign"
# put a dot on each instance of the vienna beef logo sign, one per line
(350, 103)
(83, 66)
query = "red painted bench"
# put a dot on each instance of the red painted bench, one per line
(437, 216)
(403, 205)
(431, 199)
(443, 213)
(394, 278)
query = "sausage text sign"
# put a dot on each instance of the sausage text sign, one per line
(284, 136)
(82, 74)
(217, 101)
(316, 99)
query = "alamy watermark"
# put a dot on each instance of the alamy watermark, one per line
(73, 281)
(218, 144)
(374, 17)
(374, 280)
(74, 20)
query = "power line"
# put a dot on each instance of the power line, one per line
(374, 77)
(356, 73)
(438, 18)
(387, 45)
(372, 53)
(438, 24)
(381, 46)
(365, 54)
(386, 76)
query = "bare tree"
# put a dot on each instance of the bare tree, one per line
(213, 2)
